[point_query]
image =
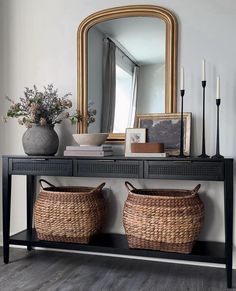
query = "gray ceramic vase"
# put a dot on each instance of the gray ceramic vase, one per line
(40, 140)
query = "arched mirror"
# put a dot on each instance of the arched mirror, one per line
(126, 66)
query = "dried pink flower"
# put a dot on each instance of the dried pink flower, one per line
(43, 121)
(20, 121)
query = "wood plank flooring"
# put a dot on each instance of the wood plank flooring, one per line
(51, 271)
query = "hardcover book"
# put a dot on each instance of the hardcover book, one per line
(88, 153)
(148, 155)
(89, 148)
(152, 147)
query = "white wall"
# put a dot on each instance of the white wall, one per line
(38, 46)
(151, 89)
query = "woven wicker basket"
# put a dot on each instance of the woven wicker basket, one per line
(68, 214)
(163, 219)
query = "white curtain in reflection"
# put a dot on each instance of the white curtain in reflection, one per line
(109, 86)
(134, 96)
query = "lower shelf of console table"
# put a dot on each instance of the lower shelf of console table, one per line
(213, 252)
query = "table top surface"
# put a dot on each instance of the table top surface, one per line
(120, 157)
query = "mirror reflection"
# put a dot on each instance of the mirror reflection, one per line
(126, 71)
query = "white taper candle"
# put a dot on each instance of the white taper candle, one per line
(182, 79)
(203, 70)
(218, 87)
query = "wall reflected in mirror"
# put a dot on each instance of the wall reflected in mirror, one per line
(126, 71)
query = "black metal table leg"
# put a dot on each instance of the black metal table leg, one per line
(228, 205)
(30, 200)
(6, 202)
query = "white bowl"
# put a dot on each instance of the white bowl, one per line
(92, 139)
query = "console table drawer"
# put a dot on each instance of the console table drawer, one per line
(108, 168)
(47, 167)
(213, 171)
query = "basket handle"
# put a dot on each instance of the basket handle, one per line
(129, 186)
(195, 190)
(42, 180)
(99, 188)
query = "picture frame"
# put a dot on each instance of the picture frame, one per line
(133, 135)
(165, 128)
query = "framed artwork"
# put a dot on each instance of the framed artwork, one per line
(165, 128)
(133, 135)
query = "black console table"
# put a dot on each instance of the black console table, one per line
(120, 167)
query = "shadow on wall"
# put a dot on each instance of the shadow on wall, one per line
(113, 208)
(65, 131)
(212, 211)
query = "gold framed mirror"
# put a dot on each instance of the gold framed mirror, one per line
(128, 14)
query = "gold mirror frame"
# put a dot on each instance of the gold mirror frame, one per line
(120, 12)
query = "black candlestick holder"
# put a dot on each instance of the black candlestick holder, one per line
(181, 148)
(218, 155)
(203, 155)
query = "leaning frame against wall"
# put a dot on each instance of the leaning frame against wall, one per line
(120, 12)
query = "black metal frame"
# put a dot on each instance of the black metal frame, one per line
(217, 155)
(153, 168)
(203, 154)
(181, 147)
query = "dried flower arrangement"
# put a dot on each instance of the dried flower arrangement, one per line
(45, 108)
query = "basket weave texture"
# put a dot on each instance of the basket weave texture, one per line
(69, 214)
(163, 219)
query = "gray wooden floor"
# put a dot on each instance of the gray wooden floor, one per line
(49, 271)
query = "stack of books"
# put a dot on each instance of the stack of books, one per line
(89, 151)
